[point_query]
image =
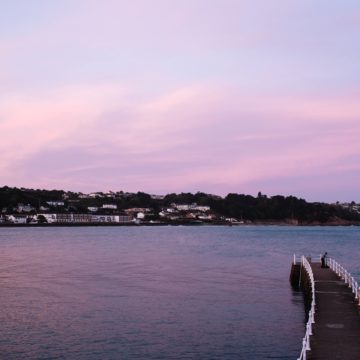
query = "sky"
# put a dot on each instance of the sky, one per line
(164, 96)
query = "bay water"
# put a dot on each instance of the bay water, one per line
(207, 292)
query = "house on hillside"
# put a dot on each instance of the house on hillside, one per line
(56, 203)
(21, 208)
(188, 207)
(109, 206)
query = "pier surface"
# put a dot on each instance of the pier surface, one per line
(336, 332)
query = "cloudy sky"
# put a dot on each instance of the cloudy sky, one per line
(182, 95)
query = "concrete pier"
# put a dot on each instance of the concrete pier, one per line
(336, 332)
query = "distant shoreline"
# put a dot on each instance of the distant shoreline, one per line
(258, 223)
(61, 208)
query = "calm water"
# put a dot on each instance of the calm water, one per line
(157, 292)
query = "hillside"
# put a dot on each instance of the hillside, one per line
(236, 208)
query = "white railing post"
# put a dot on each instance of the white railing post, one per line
(311, 315)
(304, 347)
(347, 277)
(308, 339)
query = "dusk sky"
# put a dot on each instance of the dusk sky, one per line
(182, 95)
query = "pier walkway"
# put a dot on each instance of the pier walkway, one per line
(336, 331)
(332, 296)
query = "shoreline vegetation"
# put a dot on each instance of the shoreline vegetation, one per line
(52, 225)
(44, 208)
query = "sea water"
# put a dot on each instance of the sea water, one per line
(202, 292)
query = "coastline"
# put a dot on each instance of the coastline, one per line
(255, 223)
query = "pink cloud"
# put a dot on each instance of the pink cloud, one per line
(198, 134)
(32, 122)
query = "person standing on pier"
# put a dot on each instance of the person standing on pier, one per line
(323, 260)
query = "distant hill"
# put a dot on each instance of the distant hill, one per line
(239, 207)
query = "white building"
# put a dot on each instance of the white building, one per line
(50, 218)
(55, 203)
(137, 210)
(157, 197)
(17, 219)
(140, 216)
(202, 208)
(122, 219)
(24, 208)
(96, 195)
(109, 206)
(205, 217)
(183, 207)
(187, 207)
